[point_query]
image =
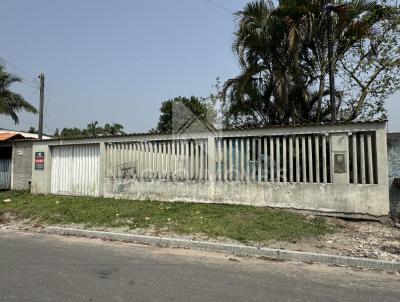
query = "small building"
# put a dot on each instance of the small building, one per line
(16, 159)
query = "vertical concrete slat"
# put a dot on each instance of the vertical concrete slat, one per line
(248, 159)
(211, 156)
(225, 156)
(278, 159)
(362, 159)
(284, 163)
(355, 158)
(242, 159)
(303, 159)
(297, 159)
(265, 159)
(370, 160)
(259, 166)
(271, 159)
(324, 160)
(317, 170)
(201, 169)
(173, 159)
(230, 157)
(191, 176)
(237, 159)
(254, 166)
(310, 160)
(291, 158)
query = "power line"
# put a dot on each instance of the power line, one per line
(19, 69)
(219, 6)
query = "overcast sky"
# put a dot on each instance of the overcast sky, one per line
(116, 61)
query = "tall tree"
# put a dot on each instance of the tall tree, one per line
(177, 111)
(282, 51)
(12, 103)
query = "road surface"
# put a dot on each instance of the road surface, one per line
(38, 267)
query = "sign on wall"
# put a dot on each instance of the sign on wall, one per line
(39, 160)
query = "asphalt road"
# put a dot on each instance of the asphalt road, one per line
(37, 267)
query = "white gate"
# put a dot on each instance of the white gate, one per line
(75, 170)
(5, 174)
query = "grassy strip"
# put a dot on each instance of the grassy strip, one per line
(243, 223)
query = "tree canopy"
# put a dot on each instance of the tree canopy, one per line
(12, 103)
(283, 54)
(179, 110)
(92, 130)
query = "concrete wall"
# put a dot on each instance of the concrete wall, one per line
(21, 165)
(340, 196)
(394, 169)
(349, 199)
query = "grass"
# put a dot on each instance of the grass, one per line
(242, 223)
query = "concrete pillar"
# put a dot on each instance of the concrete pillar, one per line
(340, 158)
(381, 157)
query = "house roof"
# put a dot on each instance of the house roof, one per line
(20, 135)
(7, 136)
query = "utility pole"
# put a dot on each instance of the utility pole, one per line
(329, 7)
(40, 133)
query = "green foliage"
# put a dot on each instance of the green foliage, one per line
(282, 51)
(243, 223)
(179, 110)
(92, 130)
(12, 103)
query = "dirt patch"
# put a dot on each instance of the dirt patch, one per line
(363, 239)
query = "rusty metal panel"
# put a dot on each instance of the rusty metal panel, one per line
(5, 174)
(75, 170)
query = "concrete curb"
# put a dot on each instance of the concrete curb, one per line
(232, 249)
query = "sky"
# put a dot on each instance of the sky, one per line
(116, 61)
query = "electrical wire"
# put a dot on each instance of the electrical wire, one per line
(219, 6)
(20, 70)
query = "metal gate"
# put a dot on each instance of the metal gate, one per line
(5, 174)
(75, 170)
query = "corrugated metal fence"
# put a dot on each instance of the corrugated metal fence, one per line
(5, 174)
(75, 170)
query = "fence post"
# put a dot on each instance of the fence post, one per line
(339, 155)
(381, 156)
(211, 158)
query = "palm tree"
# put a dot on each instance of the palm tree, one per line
(12, 103)
(282, 52)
